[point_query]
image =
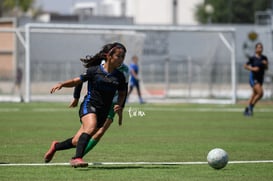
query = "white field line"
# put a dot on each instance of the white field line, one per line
(132, 163)
(9, 109)
(145, 109)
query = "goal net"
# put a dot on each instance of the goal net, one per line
(190, 64)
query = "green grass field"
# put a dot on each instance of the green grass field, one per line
(156, 133)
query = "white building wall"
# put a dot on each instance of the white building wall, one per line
(151, 11)
(148, 11)
(110, 7)
(185, 14)
(161, 11)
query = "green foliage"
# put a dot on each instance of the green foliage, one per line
(231, 11)
(167, 133)
(8, 5)
(24, 5)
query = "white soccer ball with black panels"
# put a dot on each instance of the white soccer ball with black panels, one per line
(217, 158)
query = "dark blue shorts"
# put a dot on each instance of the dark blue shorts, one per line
(252, 82)
(87, 108)
(255, 79)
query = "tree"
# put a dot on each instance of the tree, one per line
(231, 11)
(7, 6)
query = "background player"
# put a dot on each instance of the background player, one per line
(257, 64)
(134, 79)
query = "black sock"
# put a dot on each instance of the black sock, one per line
(67, 144)
(82, 143)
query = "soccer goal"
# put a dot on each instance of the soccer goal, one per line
(192, 64)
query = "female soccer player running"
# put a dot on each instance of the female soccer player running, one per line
(103, 82)
(257, 64)
(110, 118)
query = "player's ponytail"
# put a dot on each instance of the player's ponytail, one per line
(107, 49)
(95, 60)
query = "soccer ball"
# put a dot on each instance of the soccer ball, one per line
(217, 158)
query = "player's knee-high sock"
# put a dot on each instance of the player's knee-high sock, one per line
(67, 144)
(91, 144)
(82, 143)
(250, 107)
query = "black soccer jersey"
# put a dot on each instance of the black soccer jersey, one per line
(257, 62)
(102, 86)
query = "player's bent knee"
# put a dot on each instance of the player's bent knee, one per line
(74, 142)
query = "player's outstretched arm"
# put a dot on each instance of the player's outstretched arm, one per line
(68, 83)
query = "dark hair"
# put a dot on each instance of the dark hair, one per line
(259, 43)
(108, 49)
